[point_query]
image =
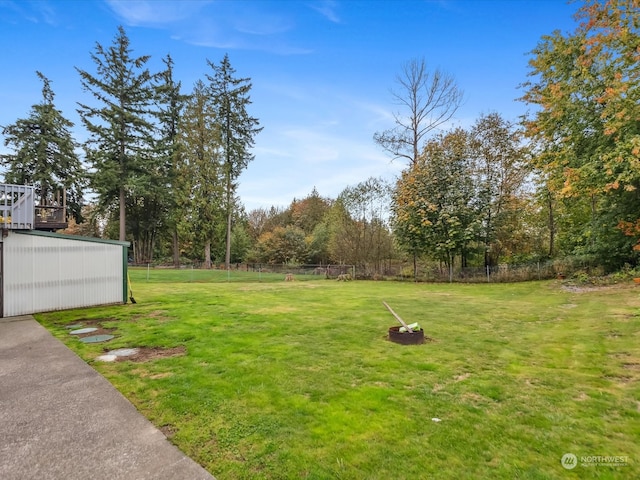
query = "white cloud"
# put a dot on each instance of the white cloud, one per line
(327, 8)
(154, 13)
(47, 13)
(222, 25)
(34, 12)
(264, 23)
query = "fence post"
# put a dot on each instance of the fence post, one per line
(488, 279)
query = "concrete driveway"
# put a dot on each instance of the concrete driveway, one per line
(61, 420)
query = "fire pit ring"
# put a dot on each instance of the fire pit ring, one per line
(406, 338)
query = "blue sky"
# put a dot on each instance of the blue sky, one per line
(322, 70)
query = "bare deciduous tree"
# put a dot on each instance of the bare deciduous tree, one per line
(427, 100)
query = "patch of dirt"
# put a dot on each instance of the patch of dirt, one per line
(475, 399)
(594, 288)
(631, 366)
(91, 322)
(146, 354)
(464, 376)
(619, 354)
(168, 430)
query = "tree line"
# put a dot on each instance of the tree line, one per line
(162, 166)
(562, 182)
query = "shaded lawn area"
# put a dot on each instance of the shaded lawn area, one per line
(297, 379)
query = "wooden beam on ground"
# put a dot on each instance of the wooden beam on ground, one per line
(397, 317)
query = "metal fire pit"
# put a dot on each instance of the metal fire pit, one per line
(406, 338)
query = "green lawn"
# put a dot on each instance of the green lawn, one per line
(297, 379)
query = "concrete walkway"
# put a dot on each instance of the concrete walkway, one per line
(61, 420)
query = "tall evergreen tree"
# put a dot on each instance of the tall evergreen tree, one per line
(231, 98)
(171, 105)
(201, 192)
(44, 153)
(120, 147)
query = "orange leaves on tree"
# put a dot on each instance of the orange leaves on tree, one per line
(631, 229)
(612, 186)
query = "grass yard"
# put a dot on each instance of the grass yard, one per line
(297, 380)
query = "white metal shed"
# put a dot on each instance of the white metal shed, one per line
(44, 271)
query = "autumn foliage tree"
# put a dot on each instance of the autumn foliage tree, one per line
(434, 206)
(499, 167)
(586, 86)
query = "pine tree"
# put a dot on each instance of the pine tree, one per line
(201, 190)
(45, 153)
(171, 103)
(120, 147)
(230, 97)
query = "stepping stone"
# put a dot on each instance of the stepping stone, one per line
(124, 352)
(73, 325)
(97, 338)
(107, 358)
(113, 355)
(83, 330)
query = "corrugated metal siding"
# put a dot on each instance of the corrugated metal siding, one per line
(44, 273)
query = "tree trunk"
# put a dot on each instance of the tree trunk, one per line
(176, 248)
(227, 256)
(552, 226)
(123, 217)
(207, 254)
(450, 268)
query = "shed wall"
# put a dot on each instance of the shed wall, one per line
(45, 273)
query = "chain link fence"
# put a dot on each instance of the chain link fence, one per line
(429, 272)
(387, 270)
